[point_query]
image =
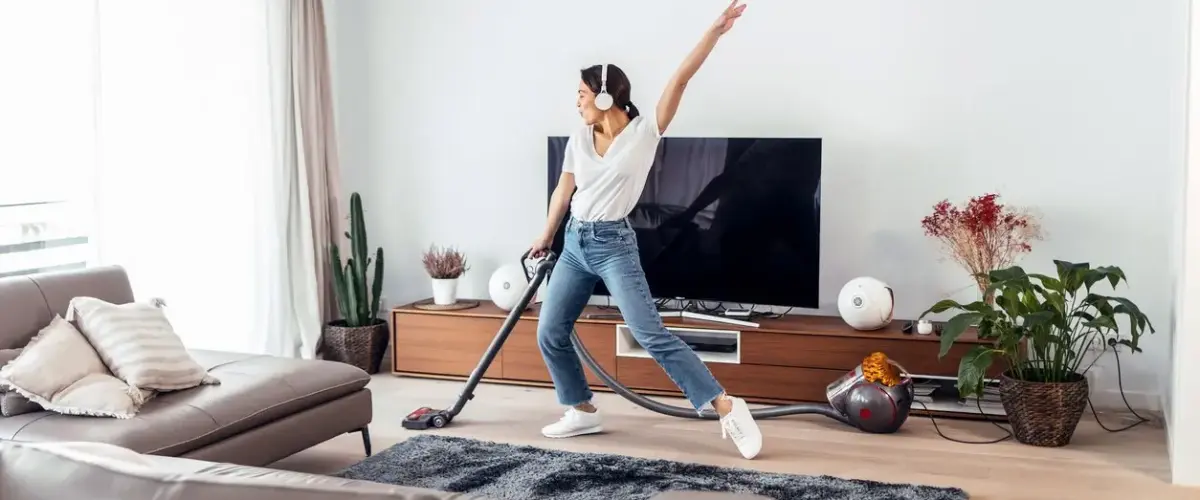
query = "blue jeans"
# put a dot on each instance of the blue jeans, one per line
(607, 250)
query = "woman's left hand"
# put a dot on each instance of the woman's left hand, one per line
(725, 21)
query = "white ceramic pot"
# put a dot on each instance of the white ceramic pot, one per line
(445, 291)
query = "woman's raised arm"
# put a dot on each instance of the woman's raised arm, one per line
(668, 104)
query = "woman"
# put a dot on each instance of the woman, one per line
(605, 168)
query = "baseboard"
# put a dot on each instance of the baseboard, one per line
(1110, 399)
(1166, 416)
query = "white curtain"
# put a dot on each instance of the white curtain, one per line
(197, 191)
(47, 121)
(167, 132)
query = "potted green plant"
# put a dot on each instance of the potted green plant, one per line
(1042, 329)
(360, 337)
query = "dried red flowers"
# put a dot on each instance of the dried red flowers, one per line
(982, 236)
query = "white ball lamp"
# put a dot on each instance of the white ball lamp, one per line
(507, 285)
(866, 303)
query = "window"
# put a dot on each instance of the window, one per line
(47, 135)
(158, 136)
(42, 235)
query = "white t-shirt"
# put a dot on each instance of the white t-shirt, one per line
(608, 187)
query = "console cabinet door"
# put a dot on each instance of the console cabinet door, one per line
(443, 345)
(523, 359)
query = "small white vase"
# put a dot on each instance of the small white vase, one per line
(445, 291)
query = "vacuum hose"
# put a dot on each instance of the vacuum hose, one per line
(868, 406)
(706, 414)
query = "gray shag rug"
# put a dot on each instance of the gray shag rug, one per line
(503, 471)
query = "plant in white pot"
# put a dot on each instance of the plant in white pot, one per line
(1042, 328)
(360, 337)
(444, 266)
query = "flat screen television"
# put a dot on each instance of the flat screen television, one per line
(733, 220)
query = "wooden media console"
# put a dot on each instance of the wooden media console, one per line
(784, 360)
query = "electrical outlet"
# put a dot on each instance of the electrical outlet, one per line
(1104, 343)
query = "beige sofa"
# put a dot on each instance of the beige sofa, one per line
(264, 409)
(55, 471)
(196, 444)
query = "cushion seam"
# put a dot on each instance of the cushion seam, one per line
(225, 363)
(42, 293)
(27, 424)
(201, 410)
(252, 415)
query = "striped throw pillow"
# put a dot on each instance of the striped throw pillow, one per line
(138, 344)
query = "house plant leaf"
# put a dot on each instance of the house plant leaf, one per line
(955, 328)
(972, 370)
(1040, 327)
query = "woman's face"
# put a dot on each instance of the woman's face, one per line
(586, 103)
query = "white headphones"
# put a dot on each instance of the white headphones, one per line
(603, 99)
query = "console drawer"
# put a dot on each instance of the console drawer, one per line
(742, 380)
(845, 353)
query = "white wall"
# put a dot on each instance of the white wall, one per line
(1183, 405)
(1074, 107)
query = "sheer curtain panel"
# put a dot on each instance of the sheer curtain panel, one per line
(199, 192)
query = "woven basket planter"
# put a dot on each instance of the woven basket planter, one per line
(361, 346)
(1044, 413)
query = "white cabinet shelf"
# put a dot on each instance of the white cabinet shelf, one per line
(712, 346)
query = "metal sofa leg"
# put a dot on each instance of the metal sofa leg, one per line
(366, 438)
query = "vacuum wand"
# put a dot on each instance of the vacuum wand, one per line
(539, 274)
(424, 418)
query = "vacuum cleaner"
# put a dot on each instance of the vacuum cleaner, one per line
(875, 397)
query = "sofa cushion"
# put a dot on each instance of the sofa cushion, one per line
(107, 283)
(103, 472)
(24, 311)
(12, 403)
(28, 303)
(254, 390)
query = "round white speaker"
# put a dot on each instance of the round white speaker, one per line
(507, 285)
(866, 303)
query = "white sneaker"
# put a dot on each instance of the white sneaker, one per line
(574, 423)
(740, 426)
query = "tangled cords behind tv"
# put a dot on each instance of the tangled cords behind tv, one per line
(1008, 432)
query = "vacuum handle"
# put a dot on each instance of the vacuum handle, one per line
(550, 255)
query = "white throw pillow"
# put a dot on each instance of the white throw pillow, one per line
(13, 403)
(138, 344)
(60, 371)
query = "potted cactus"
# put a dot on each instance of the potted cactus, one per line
(360, 336)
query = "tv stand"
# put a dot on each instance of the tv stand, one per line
(788, 359)
(683, 313)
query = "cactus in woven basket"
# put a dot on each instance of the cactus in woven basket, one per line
(357, 306)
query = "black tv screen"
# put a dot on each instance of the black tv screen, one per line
(726, 219)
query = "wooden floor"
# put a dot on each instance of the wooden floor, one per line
(1097, 465)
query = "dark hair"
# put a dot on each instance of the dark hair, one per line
(618, 86)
